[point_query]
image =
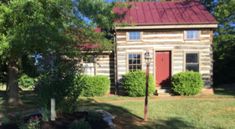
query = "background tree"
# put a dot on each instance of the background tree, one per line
(224, 42)
(45, 27)
(224, 39)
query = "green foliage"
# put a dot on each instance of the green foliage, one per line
(34, 123)
(224, 42)
(134, 84)
(27, 82)
(58, 84)
(92, 85)
(224, 39)
(82, 124)
(50, 26)
(3, 71)
(54, 86)
(45, 114)
(97, 10)
(187, 83)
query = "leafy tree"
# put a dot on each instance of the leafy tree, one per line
(51, 26)
(224, 39)
(224, 42)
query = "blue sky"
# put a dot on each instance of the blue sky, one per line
(109, 0)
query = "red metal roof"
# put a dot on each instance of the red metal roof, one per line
(165, 13)
(88, 46)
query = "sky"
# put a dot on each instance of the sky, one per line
(109, 1)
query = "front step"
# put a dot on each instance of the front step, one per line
(166, 91)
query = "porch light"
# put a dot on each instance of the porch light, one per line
(148, 59)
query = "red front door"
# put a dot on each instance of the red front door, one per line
(163, 68)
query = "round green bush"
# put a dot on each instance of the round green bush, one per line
(89, 86)
(134, 84)
(187, 83)
(27, 82)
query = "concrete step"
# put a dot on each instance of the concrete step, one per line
(164, 92)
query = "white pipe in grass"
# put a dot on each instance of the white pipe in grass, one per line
(53, 112)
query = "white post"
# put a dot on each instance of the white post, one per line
(53, 112)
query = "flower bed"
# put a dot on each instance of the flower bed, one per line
(63, 121)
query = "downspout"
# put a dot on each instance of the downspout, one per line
(95, 65)
(115, 64)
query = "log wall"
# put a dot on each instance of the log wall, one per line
(166, 40)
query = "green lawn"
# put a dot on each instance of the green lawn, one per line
(214, 112)
(199, 112)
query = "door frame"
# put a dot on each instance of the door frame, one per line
(154, 65)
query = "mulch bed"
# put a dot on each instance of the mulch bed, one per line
(62, 122)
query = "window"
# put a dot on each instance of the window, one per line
(192, 35)
(134, 61)
(134, 36)
(192, 62)
(88, 66)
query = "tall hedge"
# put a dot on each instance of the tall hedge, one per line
(187, 83)
(89, 86)
(134, 84)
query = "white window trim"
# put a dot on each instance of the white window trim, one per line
(186, 39)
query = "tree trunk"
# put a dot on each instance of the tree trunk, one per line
(12, 84)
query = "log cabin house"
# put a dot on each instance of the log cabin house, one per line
(178, 35)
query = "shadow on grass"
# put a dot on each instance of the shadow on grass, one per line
(124, 119)
(172, 123)
(28, 98)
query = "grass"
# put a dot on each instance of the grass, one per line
(214, 112)
(197, 112)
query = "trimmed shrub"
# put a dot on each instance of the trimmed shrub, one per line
(134, 84)
(27, 82)
(187, 83)
(89, 86)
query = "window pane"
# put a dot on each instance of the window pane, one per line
(192, 62)
(139, 67)
(130, 67)
(134, 62)
(192, 67)
(192, 34)
(192, 58)
(134, 35)
(88, 68)
(134, 56)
